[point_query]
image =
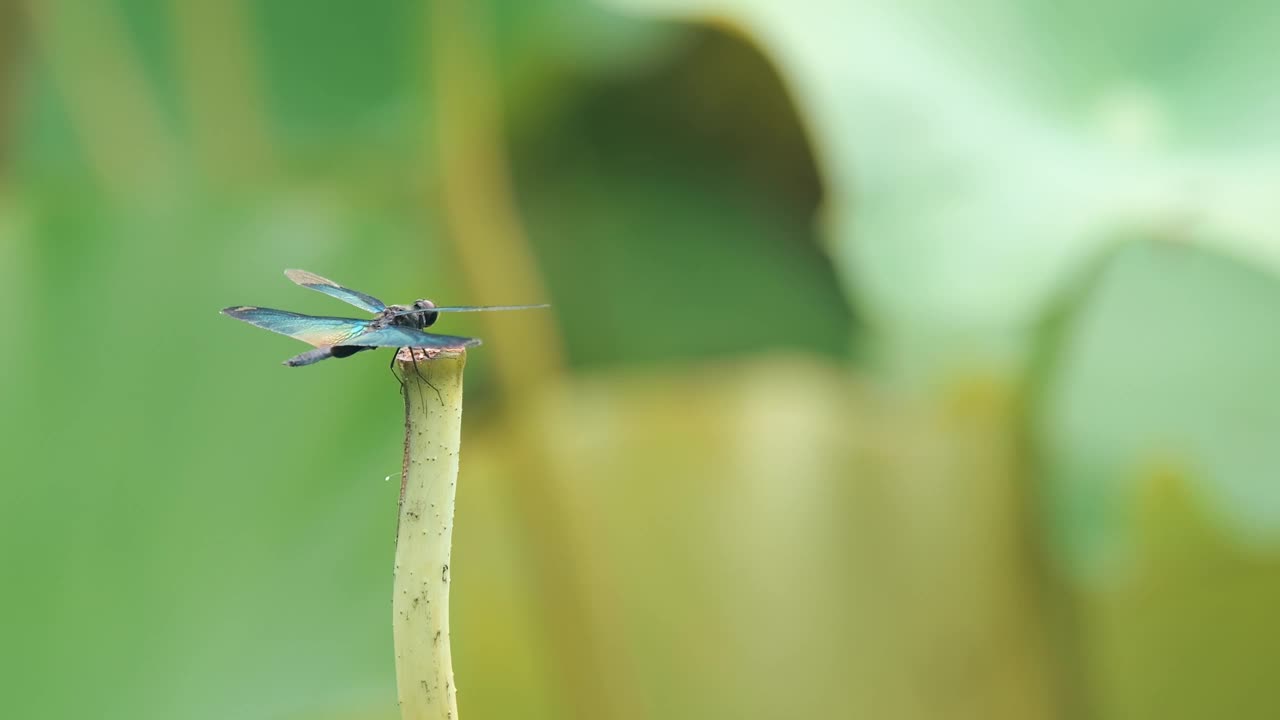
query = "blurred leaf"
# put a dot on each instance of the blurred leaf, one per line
(1167, 359)
(975, 154)
(546, 48)
(681, 229)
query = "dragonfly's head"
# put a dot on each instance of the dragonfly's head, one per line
(424, 318)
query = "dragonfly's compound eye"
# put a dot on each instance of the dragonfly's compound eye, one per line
(425, 318)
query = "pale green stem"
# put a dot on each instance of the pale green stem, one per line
(433, 428)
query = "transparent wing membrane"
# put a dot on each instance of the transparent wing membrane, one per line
(333, 289)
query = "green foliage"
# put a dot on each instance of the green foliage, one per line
(170, 489)
(1169, 328)
(976, 155)
(727, 502)
(980, 158)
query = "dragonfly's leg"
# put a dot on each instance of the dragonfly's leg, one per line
(425, 378)
(392, 368)
(418, 371)
(433, 387)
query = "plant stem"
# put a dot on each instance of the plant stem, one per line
(433, 428)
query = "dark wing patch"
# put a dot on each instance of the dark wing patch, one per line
(310, 357)
(333, 289)
(317, 331)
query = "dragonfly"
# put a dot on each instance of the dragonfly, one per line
(393, 326)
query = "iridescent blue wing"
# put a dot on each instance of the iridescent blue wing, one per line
(410, 337)
(333, 289)
(317, 331)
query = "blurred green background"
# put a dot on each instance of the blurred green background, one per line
(907, 359)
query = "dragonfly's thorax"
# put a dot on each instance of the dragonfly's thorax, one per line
(418, 315)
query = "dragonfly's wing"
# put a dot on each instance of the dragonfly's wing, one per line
(318, 331)
(410, 337)
(484, 308)
(333, 289)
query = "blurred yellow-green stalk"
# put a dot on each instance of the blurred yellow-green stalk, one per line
(906, 360)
